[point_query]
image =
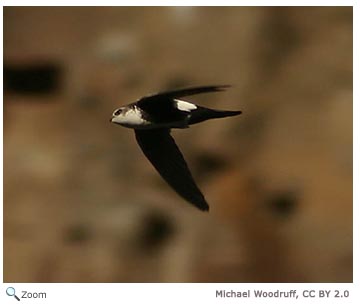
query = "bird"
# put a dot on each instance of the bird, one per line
(152, 117)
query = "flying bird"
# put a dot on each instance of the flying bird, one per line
(152, 118)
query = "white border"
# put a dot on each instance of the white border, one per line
(195, 293)
(180, 3)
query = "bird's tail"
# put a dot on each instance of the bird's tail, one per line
(202, 114)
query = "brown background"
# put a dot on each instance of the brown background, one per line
(82, 204)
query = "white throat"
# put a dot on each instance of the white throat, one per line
(130, 118)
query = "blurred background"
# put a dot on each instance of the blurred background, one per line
(81, 202)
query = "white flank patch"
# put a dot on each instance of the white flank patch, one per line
(185, 106)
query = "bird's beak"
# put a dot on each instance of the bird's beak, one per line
(111, 119)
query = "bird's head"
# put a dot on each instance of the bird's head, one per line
(118, 116)
(128, 117)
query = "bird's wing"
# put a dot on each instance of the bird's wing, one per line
(169, 95)
(161, 150)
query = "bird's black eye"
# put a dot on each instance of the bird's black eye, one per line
(117, 112)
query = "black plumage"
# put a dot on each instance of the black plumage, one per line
(161, 150)
(152, 118)
(161, 107)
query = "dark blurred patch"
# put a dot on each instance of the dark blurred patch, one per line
(156, 231)
(208, 164)
(77, 234)
(280, 37)
(283, 204)
(44, 78)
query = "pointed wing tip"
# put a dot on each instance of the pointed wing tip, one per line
(162, 152)
(221, 87)
(205, 209)
(203, 206)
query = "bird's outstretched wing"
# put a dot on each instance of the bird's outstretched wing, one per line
(161, 150)
(162, 108)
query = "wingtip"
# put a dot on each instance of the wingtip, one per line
(200, 203)
(207, 209)
(204, 207)
(222, 87)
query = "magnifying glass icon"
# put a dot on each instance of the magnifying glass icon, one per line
(10, 291)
